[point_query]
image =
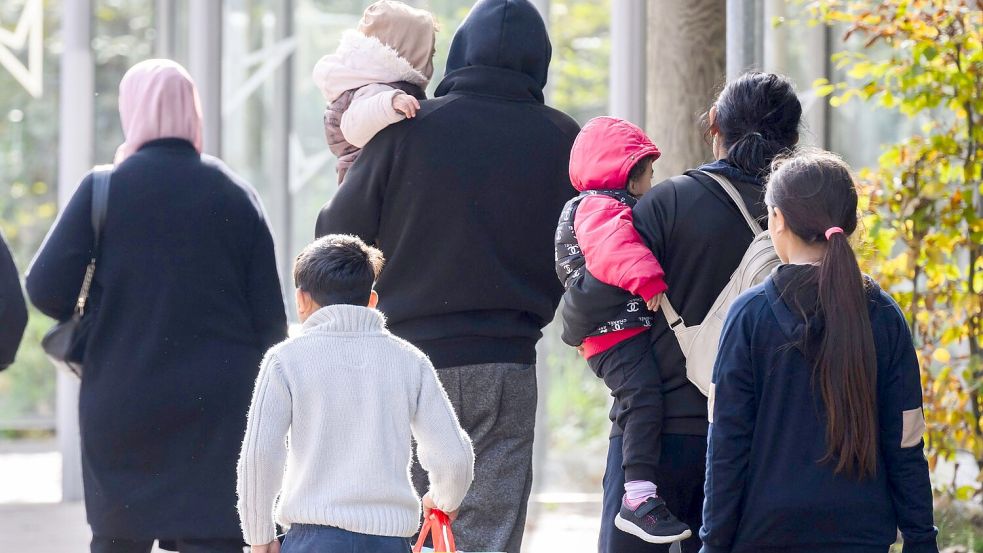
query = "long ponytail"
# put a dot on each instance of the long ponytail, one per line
(817, 196)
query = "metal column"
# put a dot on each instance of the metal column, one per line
(745, 36)
(628, 47)
(282, 126)
(205, 66)
(164, 24)
(75, 140)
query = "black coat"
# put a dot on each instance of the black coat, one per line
(463, 199)
(186, 300)
(13, 312)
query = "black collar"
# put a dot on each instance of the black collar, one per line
(174, 143)
(495, 82)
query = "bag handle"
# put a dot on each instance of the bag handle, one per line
(101, 175)
(735, 196)
(438, 525)
(671, 315)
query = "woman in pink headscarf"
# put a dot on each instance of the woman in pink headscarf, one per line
(184, 302)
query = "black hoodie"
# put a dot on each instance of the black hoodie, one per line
(13, 312)
(463, 199)
(766, 487)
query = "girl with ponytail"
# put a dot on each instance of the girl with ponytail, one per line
(816, 431)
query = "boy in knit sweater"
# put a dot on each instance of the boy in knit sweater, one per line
(352, 397)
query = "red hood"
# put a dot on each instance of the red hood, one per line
(605, 151)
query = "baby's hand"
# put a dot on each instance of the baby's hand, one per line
(406, 104)
(653, 304)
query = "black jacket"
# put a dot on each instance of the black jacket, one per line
(699, 236)
(13, 312)
(578, 303)
(463, 199)
(185, 301)
(766, 487)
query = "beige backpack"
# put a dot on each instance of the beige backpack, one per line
(700, 342)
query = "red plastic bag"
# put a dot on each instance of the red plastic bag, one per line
(438, 525)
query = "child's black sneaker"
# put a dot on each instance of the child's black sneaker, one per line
(652, 522)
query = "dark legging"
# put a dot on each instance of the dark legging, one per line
(629, 371)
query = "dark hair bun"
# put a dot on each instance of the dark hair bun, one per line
(758, 116)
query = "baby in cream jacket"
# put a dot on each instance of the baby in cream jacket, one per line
(376, 77)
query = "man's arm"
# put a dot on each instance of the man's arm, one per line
(356, 207)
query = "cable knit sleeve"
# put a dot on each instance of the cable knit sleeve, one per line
(371, 111)
(443, 447)
(264, 452)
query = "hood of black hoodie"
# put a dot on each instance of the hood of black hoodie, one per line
(501, 49)
(793, 293)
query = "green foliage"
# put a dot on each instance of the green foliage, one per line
(925, 217)
(581, 34)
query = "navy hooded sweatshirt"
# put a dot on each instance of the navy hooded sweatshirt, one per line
(766, 488)
(463, 199)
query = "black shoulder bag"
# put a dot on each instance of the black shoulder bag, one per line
(65, 342)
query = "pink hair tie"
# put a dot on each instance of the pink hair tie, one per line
(833, 230)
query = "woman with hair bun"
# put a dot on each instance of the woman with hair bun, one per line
(699, 235)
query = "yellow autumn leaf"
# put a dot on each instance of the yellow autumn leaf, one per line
(941, 355)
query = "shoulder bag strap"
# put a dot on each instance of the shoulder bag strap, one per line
(100, 205)
(100, 202)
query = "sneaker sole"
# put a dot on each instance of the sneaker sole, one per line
(631, 528)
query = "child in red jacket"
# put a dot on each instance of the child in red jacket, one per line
(611, 166)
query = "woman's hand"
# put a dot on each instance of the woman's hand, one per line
(272, 547)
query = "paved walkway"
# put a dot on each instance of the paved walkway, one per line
(32, 520)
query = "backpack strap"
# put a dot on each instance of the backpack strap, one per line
(735, 196)
(673, 317)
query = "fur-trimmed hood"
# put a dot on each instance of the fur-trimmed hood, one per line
(361, 60)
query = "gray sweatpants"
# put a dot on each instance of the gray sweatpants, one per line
(496, 404)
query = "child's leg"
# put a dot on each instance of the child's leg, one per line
(630, 372)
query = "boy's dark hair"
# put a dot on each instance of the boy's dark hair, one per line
(338, 269)
(639, 168)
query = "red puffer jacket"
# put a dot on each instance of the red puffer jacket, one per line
(602, 156)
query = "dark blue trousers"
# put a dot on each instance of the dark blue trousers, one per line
(312, 538)
(679, 477)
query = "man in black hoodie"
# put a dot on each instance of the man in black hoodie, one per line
(463, 200)
(13, 312)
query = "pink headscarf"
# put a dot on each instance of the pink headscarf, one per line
(157, 99)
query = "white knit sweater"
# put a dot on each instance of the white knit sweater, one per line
(352, 396)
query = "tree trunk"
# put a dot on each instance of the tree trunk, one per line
(686, 68)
